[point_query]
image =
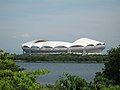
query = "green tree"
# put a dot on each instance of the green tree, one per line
(71, 82)
(13, 78)
(112, 68)
(109, 79)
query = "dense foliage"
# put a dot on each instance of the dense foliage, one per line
(112, 69)
(71, 82)
(13, 78)
(62, 58)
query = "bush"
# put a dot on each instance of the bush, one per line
(112, 68)
(71, 82)
(13, 78)
(109, 79)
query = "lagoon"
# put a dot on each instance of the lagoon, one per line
(85, 70)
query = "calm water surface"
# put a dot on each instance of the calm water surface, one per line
(85, 70)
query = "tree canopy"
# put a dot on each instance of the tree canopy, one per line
(112, 68)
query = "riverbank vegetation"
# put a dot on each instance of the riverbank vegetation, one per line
(61, 58)
(14, 78)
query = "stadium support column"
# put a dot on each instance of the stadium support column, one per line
(30, 52)
(84, 51)
(68, 51)
(23, 52)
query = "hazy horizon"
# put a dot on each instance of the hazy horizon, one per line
(65, 20)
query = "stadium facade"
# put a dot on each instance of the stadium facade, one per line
(80, 46)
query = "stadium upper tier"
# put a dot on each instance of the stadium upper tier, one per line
(80, 46)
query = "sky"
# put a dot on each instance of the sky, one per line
(65, 20)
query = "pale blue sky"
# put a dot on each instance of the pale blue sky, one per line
(66, 20)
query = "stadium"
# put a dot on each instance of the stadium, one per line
(81, 46)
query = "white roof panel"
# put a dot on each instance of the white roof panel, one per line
(86, 41)
(82, 41)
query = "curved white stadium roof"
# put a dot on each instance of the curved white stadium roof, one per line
(82, 42)
(85, 42)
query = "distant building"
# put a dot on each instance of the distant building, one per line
(80, 46)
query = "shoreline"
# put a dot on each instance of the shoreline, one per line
(61, 61)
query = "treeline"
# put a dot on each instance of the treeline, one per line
(62, 57)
